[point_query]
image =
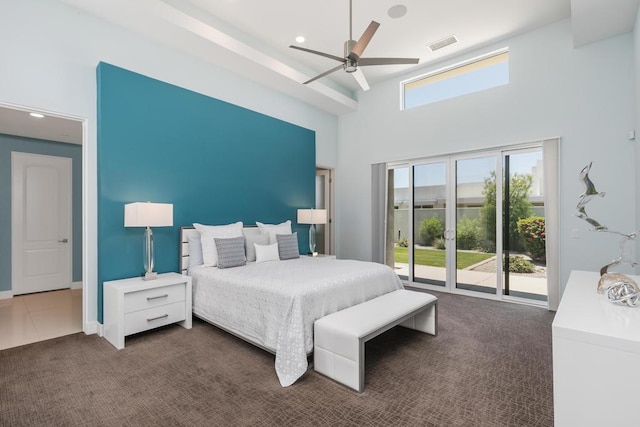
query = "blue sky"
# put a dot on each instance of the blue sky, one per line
(474, 81)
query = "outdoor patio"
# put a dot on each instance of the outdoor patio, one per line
(526, 283)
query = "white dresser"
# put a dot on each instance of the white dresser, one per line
(596, 357)
(135, 305)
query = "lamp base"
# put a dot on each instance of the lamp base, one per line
(312, 238)
(150, 275)
(314, 253)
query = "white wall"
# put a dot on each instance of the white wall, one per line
(636, 55)
(585, 96)
(49, 55)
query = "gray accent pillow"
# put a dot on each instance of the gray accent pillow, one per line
(288, 246)
(230, 252)
(258, 238)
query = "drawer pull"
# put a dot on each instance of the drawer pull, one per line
(158, 297)
(157, 318)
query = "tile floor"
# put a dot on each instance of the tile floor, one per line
(37, 317)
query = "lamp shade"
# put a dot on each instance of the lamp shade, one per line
(147, 214)
(312, 216)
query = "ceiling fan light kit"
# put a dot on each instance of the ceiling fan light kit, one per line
(353, 51)
(350, 65)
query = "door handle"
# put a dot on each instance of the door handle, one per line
(63, 241)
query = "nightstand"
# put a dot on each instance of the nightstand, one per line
(135, 305)
(323, 256)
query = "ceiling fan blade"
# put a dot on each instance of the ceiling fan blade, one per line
(364, 40)
(387, 61)
(315, 52)
(324, 74)
(362, 81)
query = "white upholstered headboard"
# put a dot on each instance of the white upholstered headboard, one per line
(185, 232)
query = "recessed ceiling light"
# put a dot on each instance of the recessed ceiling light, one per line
(397, 11)
(37, 115)
(300, 39)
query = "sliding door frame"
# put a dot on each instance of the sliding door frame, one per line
(511, 151)
(451, 160)
(453, 271)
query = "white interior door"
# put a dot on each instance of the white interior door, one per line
(41, 223)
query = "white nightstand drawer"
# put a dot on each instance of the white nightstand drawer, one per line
(134, 305)
(153, 317)
(148, 298)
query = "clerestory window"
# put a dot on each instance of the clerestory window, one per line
(471, 76)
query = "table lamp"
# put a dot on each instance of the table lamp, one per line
(313, 217)
(147, 214)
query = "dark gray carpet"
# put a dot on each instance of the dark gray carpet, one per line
(490, 365)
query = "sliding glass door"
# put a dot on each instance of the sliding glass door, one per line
(471, 224)
(476, 222)
(524, 235)
(398, 219)
(430, 223)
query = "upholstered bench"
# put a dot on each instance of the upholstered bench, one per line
(339, 338)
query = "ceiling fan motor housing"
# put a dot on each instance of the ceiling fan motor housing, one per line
(353, 51)
(349, 65)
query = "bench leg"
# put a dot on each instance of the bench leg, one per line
(425, 321)
(339, 356)
(361, 367)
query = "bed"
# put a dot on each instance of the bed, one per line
(273, 304)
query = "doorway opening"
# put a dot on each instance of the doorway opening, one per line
(44, 216)
(325, 189)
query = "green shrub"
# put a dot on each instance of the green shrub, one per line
(468, 233)
(518, 264)
(431, 229)
(519, 207)
(439, 243)
(488, 246)
(532, 232)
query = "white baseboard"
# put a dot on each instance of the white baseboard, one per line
(6, 294)
(93, 327)
(76, 285)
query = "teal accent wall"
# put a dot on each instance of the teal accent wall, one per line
(9, 143)
(216, 162)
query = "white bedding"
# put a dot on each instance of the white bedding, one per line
(275, 303)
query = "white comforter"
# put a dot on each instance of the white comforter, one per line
(275, 303)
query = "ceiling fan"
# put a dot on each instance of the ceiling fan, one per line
(353, 55)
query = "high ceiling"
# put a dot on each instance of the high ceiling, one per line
(251, 37)
(325, 26)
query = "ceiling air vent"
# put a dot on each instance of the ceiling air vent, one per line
(443, 43)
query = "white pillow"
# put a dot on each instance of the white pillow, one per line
(259, 238)
(210, 232)
(272, 229)
(195, 251)
(266, 252)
